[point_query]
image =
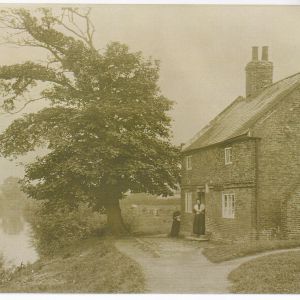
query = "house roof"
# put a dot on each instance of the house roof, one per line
(241, 114)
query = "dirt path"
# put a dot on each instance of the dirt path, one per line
(178, 266)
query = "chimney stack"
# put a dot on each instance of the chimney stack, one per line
(255, 53)
(264, 54)
(259, 73)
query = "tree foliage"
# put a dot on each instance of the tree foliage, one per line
(107, 127)
(55, 229)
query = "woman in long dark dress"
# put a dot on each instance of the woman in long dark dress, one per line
(202, 219)
(176, 224)
(199, 218)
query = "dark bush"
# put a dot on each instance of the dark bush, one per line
(53, 230)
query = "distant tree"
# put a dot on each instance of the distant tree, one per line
(107, 128)
(12, 204)
(11, 196)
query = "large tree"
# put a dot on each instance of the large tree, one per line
(106, 127)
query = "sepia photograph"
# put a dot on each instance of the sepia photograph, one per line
(149, 149)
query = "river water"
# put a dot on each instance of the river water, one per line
(15, 242)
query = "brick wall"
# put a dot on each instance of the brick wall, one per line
(241, 226)
(258, 75)
(293, 215)
(278, 164)
(265, 174)
(208, 167)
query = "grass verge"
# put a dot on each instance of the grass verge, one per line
(273, 274)
(90, 266)
(218, 252)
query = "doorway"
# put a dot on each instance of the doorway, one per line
(201, 197)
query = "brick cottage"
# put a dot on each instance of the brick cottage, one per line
(245, 164)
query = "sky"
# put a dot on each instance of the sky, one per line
(203, 52)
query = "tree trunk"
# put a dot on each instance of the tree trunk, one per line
(115, 220)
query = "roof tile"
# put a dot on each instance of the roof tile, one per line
(241, 114)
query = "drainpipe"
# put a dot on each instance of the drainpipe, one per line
(256, 208)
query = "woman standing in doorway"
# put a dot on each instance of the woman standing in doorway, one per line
(199, 218)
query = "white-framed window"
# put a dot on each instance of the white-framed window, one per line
(228, 206)
(189, 162)
(188, 201)
(228, 155)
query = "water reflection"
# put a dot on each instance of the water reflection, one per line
(15, 242)
(15, 232)
(12, 223)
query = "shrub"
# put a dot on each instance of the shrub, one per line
(53, 230)
(5, 274)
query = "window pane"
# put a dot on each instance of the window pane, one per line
(228, 205)
(228, 155)
(188, 202)
(189, 162)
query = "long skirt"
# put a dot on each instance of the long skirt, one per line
(175, 228)
(199, 224)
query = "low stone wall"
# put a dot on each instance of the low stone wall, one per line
(149, 219)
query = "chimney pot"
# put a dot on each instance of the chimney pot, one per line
(265, 54)
(255, 53)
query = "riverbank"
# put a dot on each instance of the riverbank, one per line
(90, 266)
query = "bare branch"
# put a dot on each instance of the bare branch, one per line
(86, 35)
(79, 35)
(90, 28)
(49, 33)
(25, 104)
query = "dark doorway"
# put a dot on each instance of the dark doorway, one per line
(201, 197)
